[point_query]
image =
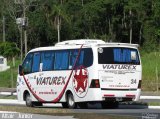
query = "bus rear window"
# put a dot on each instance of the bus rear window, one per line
(118, 55)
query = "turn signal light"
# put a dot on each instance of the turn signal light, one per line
(95, 83)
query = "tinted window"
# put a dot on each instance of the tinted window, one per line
(73, 56)
(27, 64)
(88, 57)
(85, 58)
(118, 56)
(61, 59)
(36, 62)
(47, 60)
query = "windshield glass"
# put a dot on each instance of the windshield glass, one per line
(118, 55)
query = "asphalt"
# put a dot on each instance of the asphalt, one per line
(15, 115)
(136, 111)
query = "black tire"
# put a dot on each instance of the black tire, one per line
(64, 104)
(83, 105)
(110, 105)
(28, 100)
(70, 101)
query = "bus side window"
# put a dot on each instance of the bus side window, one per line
(47, 61)
(27, 64)
(36, 62)
(88, 57)
(73, 56)
(81, 58)
(61, 60)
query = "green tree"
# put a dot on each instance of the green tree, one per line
(56, 14)
(136, 21)
(9, 50)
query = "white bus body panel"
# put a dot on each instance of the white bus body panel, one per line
(120, 83)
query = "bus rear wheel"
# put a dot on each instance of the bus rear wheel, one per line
(70, 101)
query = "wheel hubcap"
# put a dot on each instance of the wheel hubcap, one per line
(71, 100)
(28, 100)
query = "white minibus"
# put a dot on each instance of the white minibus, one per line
(77, 72)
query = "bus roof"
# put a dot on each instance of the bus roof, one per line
(80, 42)
(90, 42)
(86, 43)
(120, 44)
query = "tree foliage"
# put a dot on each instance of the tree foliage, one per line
(110, 20)
(9, 49)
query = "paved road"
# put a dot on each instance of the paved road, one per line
(15, 115)
(143, 114)
(137, 111)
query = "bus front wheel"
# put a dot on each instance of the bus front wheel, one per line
(30, 103)
(28, 100)
(70, 101)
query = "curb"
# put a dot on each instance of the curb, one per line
(153, 107)
(8, 93)
(150, 97)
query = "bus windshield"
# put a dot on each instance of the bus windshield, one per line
(118, 55)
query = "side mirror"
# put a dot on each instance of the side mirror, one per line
(20, 70)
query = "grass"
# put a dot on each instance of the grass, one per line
(41, 110)
(150, 71)
(8, 97)
(150, 61)
(154, 103)
(7, 76)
